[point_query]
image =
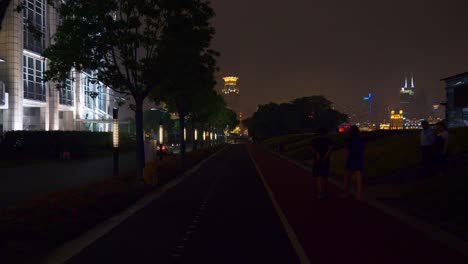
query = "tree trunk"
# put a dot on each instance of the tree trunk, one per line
(181, 137)
(140, 155)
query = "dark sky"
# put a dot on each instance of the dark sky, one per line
(341, 49)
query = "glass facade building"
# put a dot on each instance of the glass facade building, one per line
(27, 101)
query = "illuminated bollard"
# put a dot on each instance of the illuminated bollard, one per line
(115, 140)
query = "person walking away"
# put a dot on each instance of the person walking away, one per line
(441, 146)
(427, 141)
(321, 147)
(355, 162)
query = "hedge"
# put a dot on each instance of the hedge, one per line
(49, 144)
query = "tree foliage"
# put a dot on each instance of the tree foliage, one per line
(305, 114)
(126, 43)
(189, 61)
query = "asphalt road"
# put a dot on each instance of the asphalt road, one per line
(220, 214)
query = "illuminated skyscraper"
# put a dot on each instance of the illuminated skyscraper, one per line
(231, 95)
(407, 102)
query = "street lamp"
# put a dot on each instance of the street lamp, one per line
(185, 134)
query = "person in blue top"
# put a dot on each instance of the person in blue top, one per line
(355, 161)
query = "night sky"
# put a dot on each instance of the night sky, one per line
(341, 49)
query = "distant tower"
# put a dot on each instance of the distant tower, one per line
(231, 95)
(369, 98)
(407, 103)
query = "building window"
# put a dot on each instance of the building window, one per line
(102, 98)
(34, 15)
(88, 89)
(67, 92)
(34, 87)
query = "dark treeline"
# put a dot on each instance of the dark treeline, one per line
(302, 115)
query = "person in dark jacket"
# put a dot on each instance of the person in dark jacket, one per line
(321, 147)
(355, 161)
(427, 142)
(440, 147)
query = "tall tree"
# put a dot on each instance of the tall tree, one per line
(204, 105)
(303, 114)
(119, 40)
(190, 63)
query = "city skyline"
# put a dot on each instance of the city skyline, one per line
(318, 48)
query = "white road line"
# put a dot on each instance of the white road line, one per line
(71, 248)
(303, 258)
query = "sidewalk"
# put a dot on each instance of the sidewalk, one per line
(339, 230)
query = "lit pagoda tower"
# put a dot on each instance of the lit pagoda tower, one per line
(231, 95)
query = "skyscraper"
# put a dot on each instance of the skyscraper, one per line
(231, 95)
(407, 95)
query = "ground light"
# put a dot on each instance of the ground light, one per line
(161, 140)
(195, 137)
(115, 140)
(161, 134)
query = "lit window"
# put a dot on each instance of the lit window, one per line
(88, 89)
(67, 92)
(34, 15)
(34, 87)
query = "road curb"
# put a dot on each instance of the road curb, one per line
(71, 248)
(429, 230)
(303, 258)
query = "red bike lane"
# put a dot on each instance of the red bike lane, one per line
(343, 230)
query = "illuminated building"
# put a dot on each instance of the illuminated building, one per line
(384, 126)
(29, 103)
(412, 123)
(369, 98)
(396, 120)
(407, 101)
(231, 95)
(456, 107)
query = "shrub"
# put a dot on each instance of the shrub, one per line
(49, 144)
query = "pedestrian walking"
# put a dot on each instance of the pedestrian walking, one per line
(441, 146)
(355, 162)
(427, 141)
(321, 147)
